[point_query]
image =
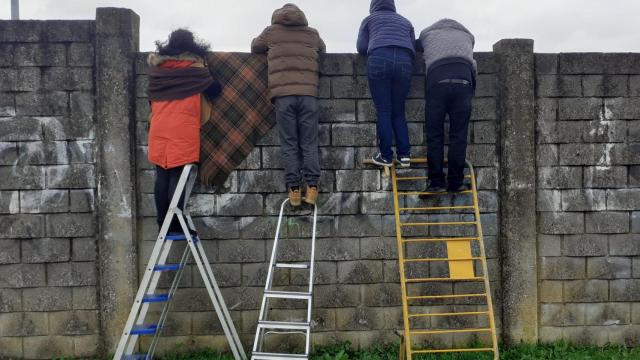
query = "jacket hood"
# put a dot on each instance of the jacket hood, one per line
(156, 59)
(377, 5)
(447, 23)
(289, 15)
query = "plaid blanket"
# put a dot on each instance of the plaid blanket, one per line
(240, 117)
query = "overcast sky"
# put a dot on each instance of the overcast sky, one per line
(229, 25)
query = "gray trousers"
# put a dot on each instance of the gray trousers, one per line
(297, 118)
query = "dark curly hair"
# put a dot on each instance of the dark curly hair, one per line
(181, 41)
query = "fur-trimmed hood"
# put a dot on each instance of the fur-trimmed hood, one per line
(155, 59)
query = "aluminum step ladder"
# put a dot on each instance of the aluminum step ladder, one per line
(157, 266)
(418, 317)
(268, 327)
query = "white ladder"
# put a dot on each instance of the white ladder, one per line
(157, 265)
(266, 326)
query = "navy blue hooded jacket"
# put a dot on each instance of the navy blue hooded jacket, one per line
(384, 27)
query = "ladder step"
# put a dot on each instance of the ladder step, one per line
(412, 178)
(287, 295)
(432, 297)
(450, 314)
(442, 259)
(418, 280)
(167, 267)
(447, 331)
(283, 325)
(181, 237)
(443, 239)
(438, 223)
(276, 356)
(428, 193)
(155, 298)
(135, 357)
(429, 208)
(145, 329)
(437, 351)
(292, 265)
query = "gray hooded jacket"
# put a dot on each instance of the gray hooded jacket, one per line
(447, 38)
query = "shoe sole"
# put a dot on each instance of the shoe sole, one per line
(310, 202)
(380, 163)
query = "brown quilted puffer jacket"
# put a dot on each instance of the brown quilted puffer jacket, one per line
(292, 50)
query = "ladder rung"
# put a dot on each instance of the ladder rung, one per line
(284, 325)
(155, 298)
(292, 265)
(434, 208)
(436, 351)
(135, 357)
(451, 223)
(450, 314)
(413, 178)
(287, 295)
(167, 267)
(445, 239)
(427, 193)
(146, 329)
(442, 259)
(181, 237)
(276, 356)
(417, 280)
(452, 296)
(448, 331)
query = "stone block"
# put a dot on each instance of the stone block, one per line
(233, 251)
(44, 201)
(338, 111)
(68, 128)
(358, 225)
(605, 177)
(85, 298)
(69, 30)
(586, 291)
(360, 318)
(41, 54)
(23, 324)
(21, 226)
(10, 300)
(353, 135)
(61, 78)
(482, 155)
(486, 85)
(561, 223)
(608, 268)
(360, 272)
(47, 347)
(634, 85)
(74, 322)
(487, 178)
(608, 314)
(72, 274)
(80, 54)
(622, 108)
(549, 200)
(550, 291)
(8, 153)
(9, 251)
(605, 85)
(81, 200)
(623, 199)
(9, 202)
(558, 86)
(22, 276)
(635, 222)
(239, 204)
(340, 249)
(336, 296)
(484, 132)
(579, 108)
(581, 63)
(337, 158)
(261, 181)
(585, 245)
(547, 155)
(338, 203)
(621, 154)
(624, 244)
(336, 64)
(607, 222)
(71, 225)
(484, 109)
(45, 250)
(357, 180)
(549, 245)
(42, 153)
(20, 129)
(546, 63)
(562, 268)
(324, 88)
(71, 176)
(378, 248)
(21, 31)
(621, 63)
(7, 54)
(584, 154)
(625, 290)
(349, 87)
(7, 104)
(486, 62)
(53, 103)
(376, 203)
(84, 249)
(583, 200)
(217, 227)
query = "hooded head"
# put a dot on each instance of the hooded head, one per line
(377, 5)
(289, 15)
(449, 23)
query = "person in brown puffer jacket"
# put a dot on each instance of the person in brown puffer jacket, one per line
(293, 49)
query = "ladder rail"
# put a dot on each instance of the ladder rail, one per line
(311, 274)
(485, 268)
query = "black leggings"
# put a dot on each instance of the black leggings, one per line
(166, 183)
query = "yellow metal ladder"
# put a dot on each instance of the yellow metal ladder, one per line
(420, 227)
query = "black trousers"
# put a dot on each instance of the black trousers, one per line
(454, 100)
(166, 183)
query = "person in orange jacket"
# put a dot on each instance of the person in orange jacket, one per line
(180, 86)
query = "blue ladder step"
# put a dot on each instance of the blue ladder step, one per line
(155, 298)
(180, 237)
(135, 357)
(167, 267)
(145, 329)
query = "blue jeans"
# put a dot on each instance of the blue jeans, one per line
(389, 70)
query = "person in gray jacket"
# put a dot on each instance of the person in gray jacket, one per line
(449, 88)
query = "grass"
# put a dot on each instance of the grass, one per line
(558, 351)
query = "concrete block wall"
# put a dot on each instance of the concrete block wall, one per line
(48, 248)
(357, 293)
(588, 112)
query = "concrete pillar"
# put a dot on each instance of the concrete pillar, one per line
(117, 33)
(517, 188)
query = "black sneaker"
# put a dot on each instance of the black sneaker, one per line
(380, 161)
(461, 188)
(433, 189)
(405, 161)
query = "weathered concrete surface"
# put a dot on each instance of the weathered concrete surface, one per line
(517, 189)
(116, 48)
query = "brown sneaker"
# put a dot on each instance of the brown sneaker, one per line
(295, 197)
(312, 195)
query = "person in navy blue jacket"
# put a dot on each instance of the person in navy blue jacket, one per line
(388, 38)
